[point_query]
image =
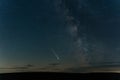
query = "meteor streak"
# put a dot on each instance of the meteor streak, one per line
(57, 57)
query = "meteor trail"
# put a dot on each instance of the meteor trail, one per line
(57, 57)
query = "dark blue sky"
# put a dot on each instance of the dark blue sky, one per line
(29, 29)
(81, 32)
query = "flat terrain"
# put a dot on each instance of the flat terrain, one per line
(59, 76)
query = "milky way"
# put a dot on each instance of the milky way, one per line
(94, 27)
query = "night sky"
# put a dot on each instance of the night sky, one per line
(59, 35)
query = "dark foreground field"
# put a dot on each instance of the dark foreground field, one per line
(59, 76)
